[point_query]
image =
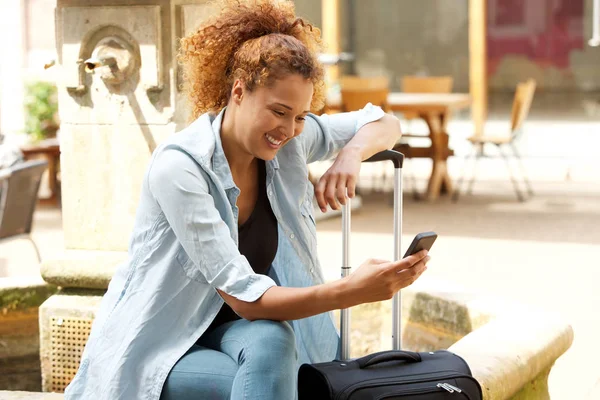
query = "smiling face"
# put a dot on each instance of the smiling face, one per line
(270, 116)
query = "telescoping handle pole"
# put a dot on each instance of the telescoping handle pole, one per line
(398, 160)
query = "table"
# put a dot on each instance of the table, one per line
(435, 109)
(50, 150)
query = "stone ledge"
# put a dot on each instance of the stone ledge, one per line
(524, 348)
(510, 347)
(8, 395)
(82, 268)
(23, 293)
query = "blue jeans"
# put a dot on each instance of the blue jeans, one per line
(237, 360)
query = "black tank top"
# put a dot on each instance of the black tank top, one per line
(257, 241)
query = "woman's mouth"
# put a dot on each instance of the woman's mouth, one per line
(273, 143)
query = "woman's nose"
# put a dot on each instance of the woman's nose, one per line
(289, 129)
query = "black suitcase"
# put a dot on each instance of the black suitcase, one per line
(389, 375)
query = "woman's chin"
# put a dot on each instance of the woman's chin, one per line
(265, 154)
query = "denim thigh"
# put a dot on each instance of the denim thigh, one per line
(201, 373)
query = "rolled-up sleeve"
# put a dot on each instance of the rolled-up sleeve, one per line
(176, 182)
(324, 136)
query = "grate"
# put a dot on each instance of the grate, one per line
(67, 340)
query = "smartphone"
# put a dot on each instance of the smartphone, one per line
(423, 241)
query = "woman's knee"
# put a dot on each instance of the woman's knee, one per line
(272, 339)
(200, 374)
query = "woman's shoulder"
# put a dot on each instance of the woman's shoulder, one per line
(196, 141)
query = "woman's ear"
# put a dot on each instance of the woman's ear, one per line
(237, 92)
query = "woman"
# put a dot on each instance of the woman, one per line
(223, 296)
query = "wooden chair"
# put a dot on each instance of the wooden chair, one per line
(426, 84)
(357, 92)
(520, 109)
(19, 187)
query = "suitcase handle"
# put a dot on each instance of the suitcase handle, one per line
(385, 356)
(396, 157)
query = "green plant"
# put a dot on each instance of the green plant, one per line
(41, 109)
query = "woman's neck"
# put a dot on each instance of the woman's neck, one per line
(239, 160)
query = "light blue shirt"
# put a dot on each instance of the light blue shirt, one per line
(184, 246)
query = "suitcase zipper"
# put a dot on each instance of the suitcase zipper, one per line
(440, 386)
(347, 391)
(449, 387)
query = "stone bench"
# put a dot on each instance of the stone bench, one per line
(510, 348)
(510, 352)
(6, 395)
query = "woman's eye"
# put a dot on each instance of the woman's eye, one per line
(279, 113)
(301, 118)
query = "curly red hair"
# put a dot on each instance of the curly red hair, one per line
(257, 41)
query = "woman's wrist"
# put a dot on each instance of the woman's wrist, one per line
(353, 150)
(338, 294)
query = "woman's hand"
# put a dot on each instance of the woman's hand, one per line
(340, 178)
(378, 280)
(375, 280)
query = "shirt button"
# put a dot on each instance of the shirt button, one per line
(292, 236)
(312, 270)
(270, 193)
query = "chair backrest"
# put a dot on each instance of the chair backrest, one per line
(357, 92)
(426, 84)
(521, 105)
(18, 197)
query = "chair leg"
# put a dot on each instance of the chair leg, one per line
(512, 178)
(478, 155)
(460, 181)
(522, 167)
(413, 182)
(37, 251)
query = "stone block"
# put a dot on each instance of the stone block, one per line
(100, 198)
(20, 395)
(82, 268)
(512, 355)
(80, 29)
(65, 323)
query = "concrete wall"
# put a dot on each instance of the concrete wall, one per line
(428, 37)
(431, 37)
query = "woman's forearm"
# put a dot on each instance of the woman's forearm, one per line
(285, 304)
(375, 137)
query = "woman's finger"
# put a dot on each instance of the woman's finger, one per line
(351, 186)
(330, 192)
(319, 193)
(341, 190)
(411, 274)
(409, 261)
